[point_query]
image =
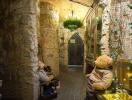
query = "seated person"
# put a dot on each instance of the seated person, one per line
(100, 78)
(48, 70)
(54, 82)
(43, 77)
(46, 79)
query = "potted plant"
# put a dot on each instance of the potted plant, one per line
(72, 23)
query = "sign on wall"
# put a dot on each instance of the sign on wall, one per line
(72, 41)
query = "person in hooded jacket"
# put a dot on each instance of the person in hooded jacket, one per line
(45, 89)
(100, 78)
(43, 77)
(48, 82)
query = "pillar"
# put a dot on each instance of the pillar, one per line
(20, 44)
(106, 5)
(49, 20)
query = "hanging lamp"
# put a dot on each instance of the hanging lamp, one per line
(72, 23)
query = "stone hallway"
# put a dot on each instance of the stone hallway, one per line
(73, 84)
(62, 32)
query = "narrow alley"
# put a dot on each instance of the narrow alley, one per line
(66, 49)
(73, 84)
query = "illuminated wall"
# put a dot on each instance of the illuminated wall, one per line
(65, 6)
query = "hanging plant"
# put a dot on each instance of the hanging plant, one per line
(72, 23)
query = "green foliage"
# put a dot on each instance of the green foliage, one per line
(115, 31)
(130, 25)
(130, 33)
(115, 44)
(99, 23)
(72, 23)
(98, 49)
(130, 65)
(130, 6)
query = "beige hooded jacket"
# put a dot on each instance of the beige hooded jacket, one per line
(101, 77)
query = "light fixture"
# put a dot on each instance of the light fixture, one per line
(72, 22)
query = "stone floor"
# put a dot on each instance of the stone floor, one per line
(73, 84)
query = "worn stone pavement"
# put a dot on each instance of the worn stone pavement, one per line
(73, 84)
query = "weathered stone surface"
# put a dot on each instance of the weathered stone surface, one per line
(20, 45)
(64, 37)
(49, 43)
(50, 15)
(120, 12)
(106, 4)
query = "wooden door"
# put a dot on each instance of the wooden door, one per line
(75, 50)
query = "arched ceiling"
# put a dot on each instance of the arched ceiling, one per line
(65, 6)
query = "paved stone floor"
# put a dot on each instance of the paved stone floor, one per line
(73, 84)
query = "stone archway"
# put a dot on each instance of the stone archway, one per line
(64, 36)
(75, 50)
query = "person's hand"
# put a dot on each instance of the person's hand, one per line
(87, 75)
(51, 77)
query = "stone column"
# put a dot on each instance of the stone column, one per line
(61, 46)
(106, 5)
(20, 44)
(49, 20)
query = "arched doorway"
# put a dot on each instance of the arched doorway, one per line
(75, 50)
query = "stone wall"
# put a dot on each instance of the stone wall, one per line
(49, 44)
(64, 37)
(122, 17)
(106, 5)
(117, 13)
(19, 34)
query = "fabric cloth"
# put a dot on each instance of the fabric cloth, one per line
(43, 77)
(100, 79)
(90, 93)
(48, 85)
(97, 82)
(48, 90)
